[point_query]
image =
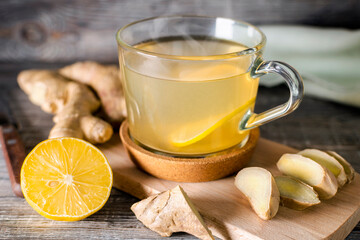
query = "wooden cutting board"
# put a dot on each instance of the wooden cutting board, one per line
(229, 215)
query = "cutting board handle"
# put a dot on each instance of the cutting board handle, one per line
(14, 154)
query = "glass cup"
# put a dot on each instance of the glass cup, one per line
(191, 82)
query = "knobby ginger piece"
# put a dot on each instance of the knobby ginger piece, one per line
(296, 194)
(310, 172)
(171, 211)
(105, 80)
(259, 187)
(71, 102)
(328, 162)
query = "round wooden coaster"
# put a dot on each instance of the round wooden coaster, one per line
(189, 169)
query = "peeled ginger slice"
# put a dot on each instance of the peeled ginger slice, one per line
(296, 194)
(259, 187)
(328, 162)
(349, 170)
(310, 172)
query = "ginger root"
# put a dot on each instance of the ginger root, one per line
(328, 162)
(310, 172)
(171, 211)
(105, 81)
(296, 194)
(259, 187)
(349, 170)
(71, 102)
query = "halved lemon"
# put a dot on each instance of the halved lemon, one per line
(182, 141)
(66, 179)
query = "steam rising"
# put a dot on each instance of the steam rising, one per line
(190, 45)
(190, 36)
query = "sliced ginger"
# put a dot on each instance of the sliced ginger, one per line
(310, 172)
(171, 211)
(71, 102)
(349, 170)
(259, 187)
(296, 194)
(311, 175)
(328, 162)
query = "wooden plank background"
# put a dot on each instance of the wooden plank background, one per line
(65, 30)
(48, 34)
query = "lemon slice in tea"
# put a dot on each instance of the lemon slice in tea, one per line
(184, 140)
(66, 179)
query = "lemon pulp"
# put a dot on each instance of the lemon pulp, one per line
(66, 179)
(186, 141)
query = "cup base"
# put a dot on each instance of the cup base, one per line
(174, 155)
(189, 169)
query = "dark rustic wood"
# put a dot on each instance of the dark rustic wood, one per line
(316, 123)
(14, 155)
(63, 30)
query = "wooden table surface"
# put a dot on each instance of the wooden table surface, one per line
(317, 124)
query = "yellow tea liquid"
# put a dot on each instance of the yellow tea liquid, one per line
(188, 107)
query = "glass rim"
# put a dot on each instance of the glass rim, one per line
(247, 51)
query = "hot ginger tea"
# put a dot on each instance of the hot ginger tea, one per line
(190, 83)
(192, 105)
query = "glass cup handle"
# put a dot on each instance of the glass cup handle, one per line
(293, 81)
